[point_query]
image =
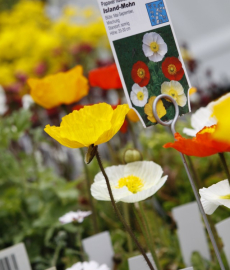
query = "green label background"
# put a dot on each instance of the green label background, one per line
(129, 51)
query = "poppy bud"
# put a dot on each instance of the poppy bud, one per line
(132, 155)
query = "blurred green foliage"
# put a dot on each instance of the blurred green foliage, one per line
(33, 196)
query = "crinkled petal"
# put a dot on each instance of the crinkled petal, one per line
(114, 174)
(117, 121)
(202, 118)
(209, 207)
(100, 192)
(148, 171)
(54, 132)
(87, 125)
(146, 193)
(190, 132)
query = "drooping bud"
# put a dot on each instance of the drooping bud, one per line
(91, 152)
(132, 155)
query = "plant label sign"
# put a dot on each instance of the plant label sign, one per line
(14, 258)
(147, 55)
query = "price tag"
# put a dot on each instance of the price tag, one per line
(147, 55)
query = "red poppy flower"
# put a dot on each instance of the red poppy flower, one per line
(202, 145)
(140, 73)
(172, 69)
(105, 77)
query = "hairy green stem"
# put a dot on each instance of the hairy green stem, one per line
(128, 229)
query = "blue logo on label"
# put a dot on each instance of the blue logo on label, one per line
(157, 12)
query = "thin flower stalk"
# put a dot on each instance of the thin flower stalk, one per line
(128, 229)
(147, 233)
(224, 163)
(127, 218)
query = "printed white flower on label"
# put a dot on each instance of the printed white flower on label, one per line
(203, 117)
(214, 196)
(175, 90)
(88, 266)
(130, 183)
(74, 217)
(154, 47)
(139, 95)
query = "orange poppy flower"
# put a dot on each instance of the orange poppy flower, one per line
(203, 145)
(105, 77)
(172, 69)
(61, 88)
(140, 73)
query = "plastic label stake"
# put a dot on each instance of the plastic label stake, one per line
(14, 258)
(223, 231)
(190, 231)
(99, 248)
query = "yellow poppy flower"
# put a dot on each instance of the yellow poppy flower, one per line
(61, 88)
(132, 116)
(149, 109)
(221, 112)
(92, 125)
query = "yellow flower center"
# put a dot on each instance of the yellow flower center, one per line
(140, 95)
(208, 130)
(226, 197)
(154, 47)
(172, 69)
(173, 93)
(141, 73)
(133, 183)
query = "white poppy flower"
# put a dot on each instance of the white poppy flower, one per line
(154, 47)
(88, 266)
(139, 95)
(74, 216)
(130, 183)
(175, 90)
(203, 117)
(214, 196)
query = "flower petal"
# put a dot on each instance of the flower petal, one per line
(181, 100)
(156, 57)
(144, 194)
(117, 121)
(54, 132)
(88, 124)
(163, 49)
(178, 87)
(209, 207)
(165, 88)
(147, 51)
(148, 171)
